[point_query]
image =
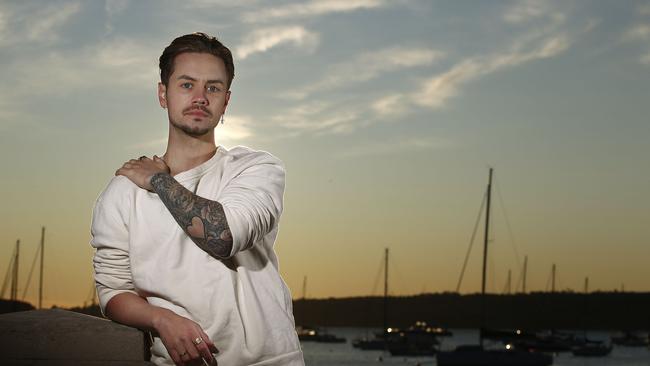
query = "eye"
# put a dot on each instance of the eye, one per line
(213, 89)
(186, 85)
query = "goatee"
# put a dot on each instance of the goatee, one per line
(191, 131)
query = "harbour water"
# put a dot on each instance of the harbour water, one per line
(343, 354)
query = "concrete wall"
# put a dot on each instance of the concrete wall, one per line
(61, 337)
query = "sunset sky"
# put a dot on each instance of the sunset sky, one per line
(387, 114)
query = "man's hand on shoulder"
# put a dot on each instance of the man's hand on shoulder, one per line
(141, 170)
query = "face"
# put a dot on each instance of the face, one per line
(196, 95)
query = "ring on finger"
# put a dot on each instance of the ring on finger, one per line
(197, 341)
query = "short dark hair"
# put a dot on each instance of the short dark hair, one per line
(199, 43)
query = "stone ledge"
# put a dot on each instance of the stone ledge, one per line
(61, 337)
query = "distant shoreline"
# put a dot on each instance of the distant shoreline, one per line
(537, 310)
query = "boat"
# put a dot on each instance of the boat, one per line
(478, 355)
(314, 334)
(418, 340)
(550, 341)
(592, 349)
(631, 339)
(378, 342)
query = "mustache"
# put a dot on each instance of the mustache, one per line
(197, 108)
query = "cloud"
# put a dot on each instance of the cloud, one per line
(390, 106)
(202, 4)
(25, 25)
(640, 32)
(524, 11)
(261, 40)
(113, 8)
(120, 62)
(309, 9)
(47, 20)
(436, 91)
(368, 66)
(318, 118)
(392, 147)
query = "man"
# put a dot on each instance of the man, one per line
(184, 243)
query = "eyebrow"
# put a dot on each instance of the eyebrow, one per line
(187, 77)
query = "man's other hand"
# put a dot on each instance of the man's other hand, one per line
(141, 170)
(184, 339)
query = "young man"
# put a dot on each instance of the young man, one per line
(184, 242)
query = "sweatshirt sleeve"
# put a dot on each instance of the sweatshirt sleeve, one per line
(253, 199)
(110, 238)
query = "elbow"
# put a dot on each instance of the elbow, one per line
(220, 247)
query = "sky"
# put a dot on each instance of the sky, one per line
(387, 114)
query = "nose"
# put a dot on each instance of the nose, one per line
(199, 97)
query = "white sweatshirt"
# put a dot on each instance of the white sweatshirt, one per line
(241, 302)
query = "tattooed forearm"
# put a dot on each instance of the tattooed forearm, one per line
(203, 220)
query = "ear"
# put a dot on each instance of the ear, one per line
(162, 95)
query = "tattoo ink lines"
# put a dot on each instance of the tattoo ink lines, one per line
(203, 220)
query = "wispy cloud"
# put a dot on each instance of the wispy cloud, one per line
(639, 32)
(218, 3)
(40, 25)
(436, 91)
(391, 147)
(47, 20)
(317, 118)
(369, 66)
(113, 8)
(311, 8)
(390, 106)
(261, 40)
(120, 62)
(523, 11)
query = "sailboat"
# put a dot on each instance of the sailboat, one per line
(591, 348)
(379, 341)
(417, 340)
(477, 355)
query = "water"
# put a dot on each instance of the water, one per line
(343, 354)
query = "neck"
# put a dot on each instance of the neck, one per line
(185, 152)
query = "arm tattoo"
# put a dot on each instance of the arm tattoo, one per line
(202, 219)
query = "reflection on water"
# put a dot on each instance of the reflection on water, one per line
(331, 354)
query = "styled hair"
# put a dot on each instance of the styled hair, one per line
(199, 43)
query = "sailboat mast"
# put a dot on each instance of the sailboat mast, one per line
(40, 283)
(485, 252)
(553, 281)
(385, 290)
(523, 286)
(14, 282)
